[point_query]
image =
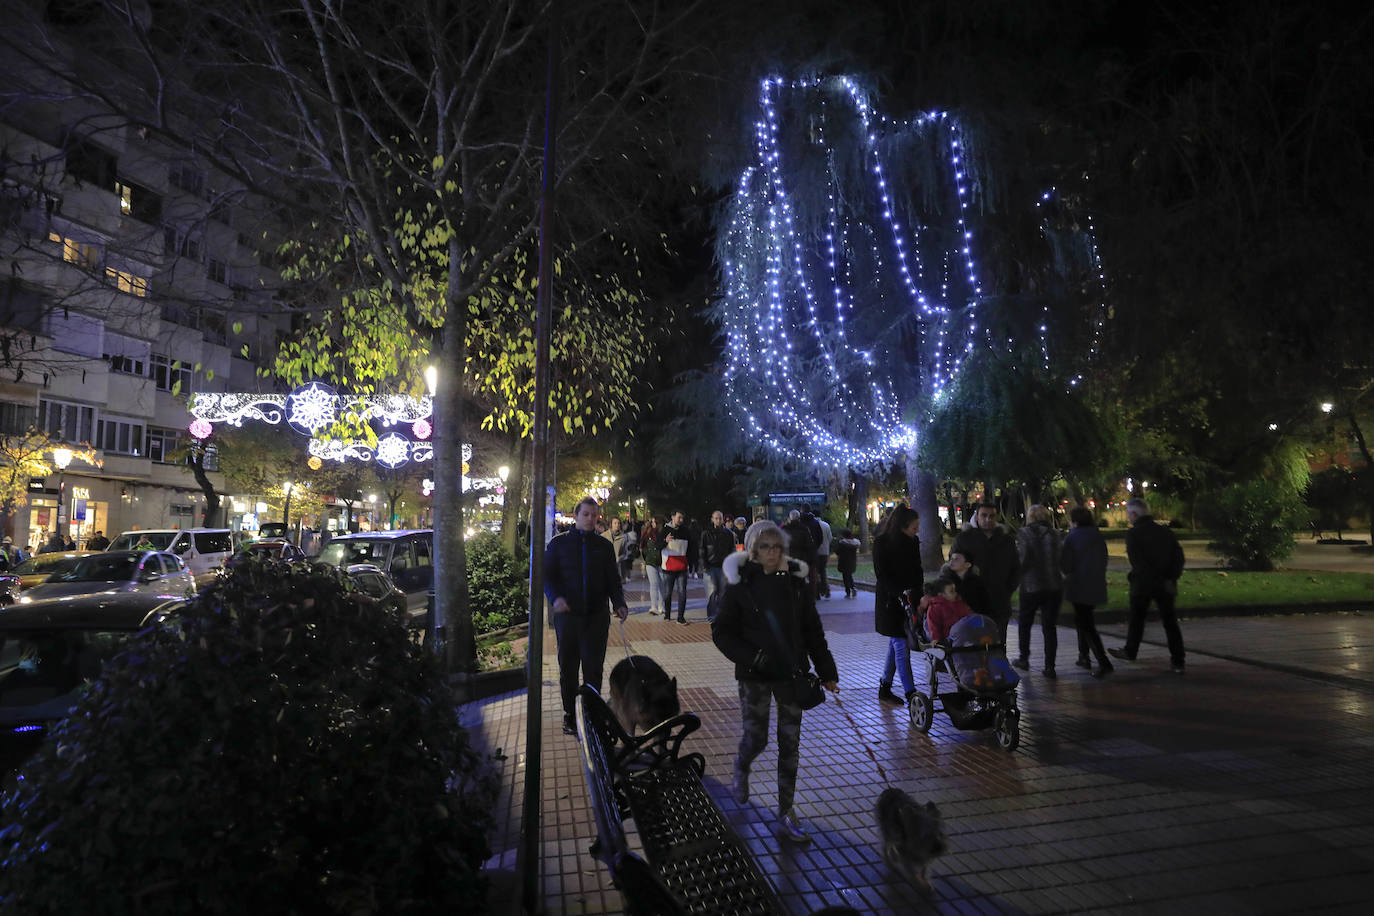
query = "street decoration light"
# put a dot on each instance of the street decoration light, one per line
(286, 509)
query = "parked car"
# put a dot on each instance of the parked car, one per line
(48, 649)
(203, 550)
(151, 571)
(270, 550)
(405, 556)
(373, 581)
(39, 567)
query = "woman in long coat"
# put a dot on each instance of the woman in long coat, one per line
(896, 567)
(1084, 562)
(768, 626)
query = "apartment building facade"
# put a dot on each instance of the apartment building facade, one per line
(133, 277)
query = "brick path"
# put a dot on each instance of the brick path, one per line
(1242, 787)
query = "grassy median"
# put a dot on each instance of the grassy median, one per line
(1201, 588)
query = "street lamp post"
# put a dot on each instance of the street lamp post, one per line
(61, 457)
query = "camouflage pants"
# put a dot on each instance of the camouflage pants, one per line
(755, 698)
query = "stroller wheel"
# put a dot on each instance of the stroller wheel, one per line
(1008, 729)
(921, 709)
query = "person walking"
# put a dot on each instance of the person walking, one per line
(998, 562)
(801, 545)
(1156, 560)
(1084, 563)
(652, 555)
(847, 560)
(768, 626)
(1042, 586)
(99, 542)
(717, 546)
(823, 558)
(581, 580)
(896, 567)
(673, 542)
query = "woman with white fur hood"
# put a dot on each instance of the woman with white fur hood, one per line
(768, 626)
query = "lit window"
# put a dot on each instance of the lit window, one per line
(78, 253)
(126, 282)
(126, 197)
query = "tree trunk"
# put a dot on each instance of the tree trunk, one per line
(211, 497)
(452, 620)
(859, 500)
(920, 486)
(514, 495)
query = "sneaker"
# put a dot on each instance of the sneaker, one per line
(1121, 654)
(569, 725)
(682, 620)
(1102, 671)
(1083, 662)
(790, 829)
(1049, 673)
(886, 695)
(739, 788)
(1021, 664)
(1176, 667)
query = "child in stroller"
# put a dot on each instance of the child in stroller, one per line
(965, 647)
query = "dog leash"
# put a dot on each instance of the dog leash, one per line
(867, 746)
(626, 643)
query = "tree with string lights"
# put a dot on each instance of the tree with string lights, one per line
(852, 295)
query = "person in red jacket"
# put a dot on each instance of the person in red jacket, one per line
(945, 609)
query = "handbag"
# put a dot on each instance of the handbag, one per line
(804, 690)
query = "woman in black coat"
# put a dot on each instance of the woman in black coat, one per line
(896, 567)
(1084, 563)
(768, 626)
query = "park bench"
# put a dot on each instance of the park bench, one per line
(693, 860)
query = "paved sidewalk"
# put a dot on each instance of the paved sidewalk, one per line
(1242, 787)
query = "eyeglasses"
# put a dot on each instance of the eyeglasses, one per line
(768, 547)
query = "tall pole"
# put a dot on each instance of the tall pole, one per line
(527, 856)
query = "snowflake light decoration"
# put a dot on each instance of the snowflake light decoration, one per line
(392, 450)
(421, 429)
(312, 408)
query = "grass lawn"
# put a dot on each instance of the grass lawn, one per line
(1216, 588)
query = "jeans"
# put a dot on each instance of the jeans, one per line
(822, 582)
(670, 582)
(1140, 603)
(898, 662)
(655, 576)
(849, 588)
(1047, 603)
(581, 642)
(1088, 638)
(715, 584)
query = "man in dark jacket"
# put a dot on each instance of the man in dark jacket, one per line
(967, 583)
(717, 543)
(998, 562)
(580, 580)
(1156, 563)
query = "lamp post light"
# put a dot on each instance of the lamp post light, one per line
(372, 504)
(61, 457)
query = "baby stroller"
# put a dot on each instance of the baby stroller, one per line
(973, 664)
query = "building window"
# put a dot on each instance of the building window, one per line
(217, 271)
(126, 282)
(91, 165)
(138, 202)
(178, 312)
(64, 421)
(187, 177)
(163, 444)
(78, 253)
(126, 365)
(171, 374)
(123, 437)
(216, 331)
(17, 419)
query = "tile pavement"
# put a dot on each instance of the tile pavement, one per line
(1242, 787)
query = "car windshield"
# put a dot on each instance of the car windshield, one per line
(45, 565)
(101, 568)
(143, 540)
(40, 665)
(346, 553)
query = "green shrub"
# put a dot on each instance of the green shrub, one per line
(498, 584)
(1252, 524)
(281, 748)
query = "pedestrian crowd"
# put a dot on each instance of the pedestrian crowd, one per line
(763, 582)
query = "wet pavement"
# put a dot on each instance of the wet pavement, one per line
(1243, 786)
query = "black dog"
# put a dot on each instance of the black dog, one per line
(912, 834)
(642, 695)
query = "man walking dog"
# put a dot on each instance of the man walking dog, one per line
(581, 579)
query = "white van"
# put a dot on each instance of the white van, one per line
(203, 550)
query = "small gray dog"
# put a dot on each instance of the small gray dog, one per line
(912, 834)
(642, 695)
